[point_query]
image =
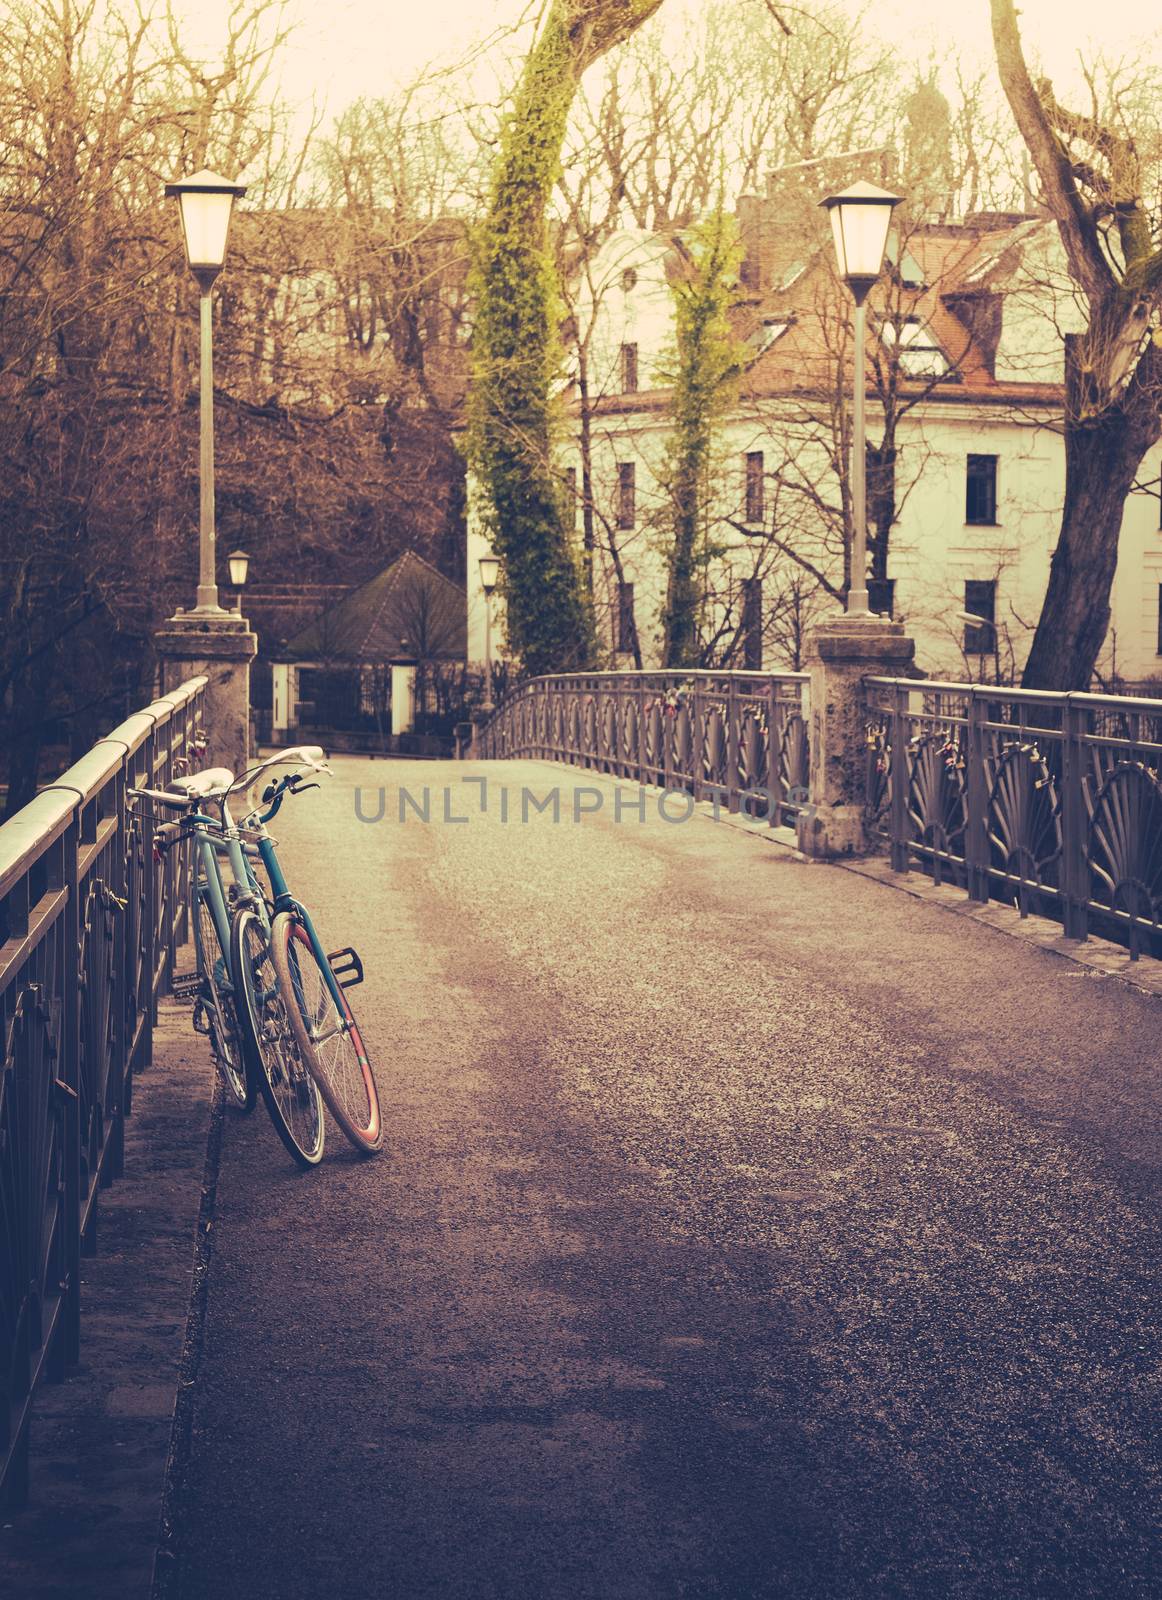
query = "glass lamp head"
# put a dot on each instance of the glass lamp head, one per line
(860, 218)
(489, 572)
(239, 563)
(206, 203)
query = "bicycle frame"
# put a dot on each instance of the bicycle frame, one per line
(216, 843)
(210, 847)
(285, 901)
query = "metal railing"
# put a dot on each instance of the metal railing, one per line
(739, 737)
(1052, 802)
(88, 927)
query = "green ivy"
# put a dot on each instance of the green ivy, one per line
(517, 364)
(708, 365)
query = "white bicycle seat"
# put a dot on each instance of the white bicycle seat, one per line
(211, 780)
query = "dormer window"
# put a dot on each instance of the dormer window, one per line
(909, 273)
(766, 333)
(920, 355)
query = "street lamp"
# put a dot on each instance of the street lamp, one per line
(860, 217)
(206, 203)
(238, 563)
(489, 572)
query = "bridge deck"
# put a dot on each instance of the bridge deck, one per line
(746, 1228)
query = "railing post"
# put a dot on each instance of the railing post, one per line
(697, 742)
(642, 751)
(732, 773)
(976, 801)
(899, 734)
(775, 796)
(1074, 823)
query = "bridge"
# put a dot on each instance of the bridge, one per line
(749, 1225)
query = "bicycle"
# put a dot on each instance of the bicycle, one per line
(215, 1011)
(294, 1008)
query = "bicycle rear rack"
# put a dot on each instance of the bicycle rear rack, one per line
(346, 966)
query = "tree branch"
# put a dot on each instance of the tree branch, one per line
(1075, 222)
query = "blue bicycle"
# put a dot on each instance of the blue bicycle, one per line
(280, 1014)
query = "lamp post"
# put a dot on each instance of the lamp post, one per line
(206, 203)
(860, 217)
(238, 563)
(489, 572)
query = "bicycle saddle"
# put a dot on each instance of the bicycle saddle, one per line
(211, 780)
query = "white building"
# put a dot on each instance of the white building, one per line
(967, 327)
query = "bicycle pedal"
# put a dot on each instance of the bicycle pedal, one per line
(346, 966)
(203, 1023)
(185, 985)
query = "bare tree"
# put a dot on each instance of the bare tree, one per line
(1093, 180)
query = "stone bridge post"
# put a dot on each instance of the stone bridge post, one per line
(841, 652)
(222, 647)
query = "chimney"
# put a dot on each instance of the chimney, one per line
(754, 236)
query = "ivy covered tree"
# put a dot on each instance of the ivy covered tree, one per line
(516, 352)
(708, 364)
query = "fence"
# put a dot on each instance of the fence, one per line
(739, 736)
(1050, 801)
(88, 926)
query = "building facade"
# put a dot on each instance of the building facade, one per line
(966, 465)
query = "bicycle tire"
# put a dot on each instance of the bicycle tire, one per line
(328, 1036)
(228, 1044)
(289, 1088)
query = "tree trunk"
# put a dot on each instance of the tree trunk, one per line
(680, 621)
(1102, 455)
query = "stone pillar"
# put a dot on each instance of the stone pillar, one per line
(282, 677)
(403, 688)
(221, 647)
(841, 652)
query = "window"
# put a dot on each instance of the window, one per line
(628, 279)
(626, 494)
(752, 624)
(629, 369)
(881, 596)
(920, 354)
(980, 600)
(571, 497)
(1160, 619)
(980, 493)
(754, 486)
(625, 623)
(766, 333)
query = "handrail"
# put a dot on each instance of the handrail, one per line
(88, 927)
(724, 735)
(1052, 801)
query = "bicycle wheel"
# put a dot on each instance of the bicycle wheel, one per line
(328, 1035)
(217, 1001)
(287, 1084)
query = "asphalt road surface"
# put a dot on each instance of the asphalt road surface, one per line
(745, 1229)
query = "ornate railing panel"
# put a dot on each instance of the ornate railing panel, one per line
(1052, 802)
(737, 736)
(88, 926)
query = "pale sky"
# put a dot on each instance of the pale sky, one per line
(344, 49)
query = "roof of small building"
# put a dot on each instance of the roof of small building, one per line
(407, 610)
